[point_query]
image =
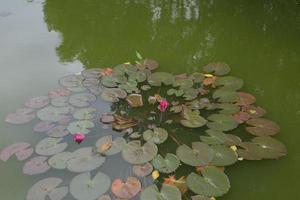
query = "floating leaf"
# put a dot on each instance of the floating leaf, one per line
(245, 99)
(85, 113)
(50, 146)
(43, 126)
(107, 146)
(145, 87)
(84, 159)
(166, 165)
(71, 81)
(221, 122)
(82, 126)
(21, 116)
(223, 156)
(262, 127)
(59, 92)
(126, 190)
(59, 161)
(232, 140)
(254, 111)
(135, 153)
(270, 147)
(229, 82)
(250, 151)
(215, 137)
(37, 102)
(218, 68)
(135, 100)
(113, 94)
(241, 117)
(142, 170)
(92, 73)
(148, 64)
(129, 86)
(167, 192)
(199, 155)
(157, 78)
(157, 135)
(47, 189)
(192, 119)
(84, 187)
(22, 151)
(60, 101)
(228, 108)
(82, 99)
(53, 114)
(58, 131)
(213, 182)
(224, 95)
(200, 197)
(36, 165)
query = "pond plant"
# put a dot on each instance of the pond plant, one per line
(181, 131)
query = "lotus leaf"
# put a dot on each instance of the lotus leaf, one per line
(135, 153)
(82, 126)
(36, 165)
(107, 146)
(59, 161)
(262, 127)
(37, 102)
(157, 135)
(157, 78)
(245, 99)
(47, 189)
(22, 151)
(50, 146)
(54, 114)
(166, 165)
(21, 116)
(221, 122)
(142, 170)
(58, 131)
(224, 95)
(82, 99)
(43, 126)
(229, 82)
(199, 155)
(113, 94)
(167, 192)
(85, 113)
(60, 101)
(84, 159)
(218, 68)
(192, 119)
(59, 92)
(135, 100)
(126, 190)
(213, 182)
(223, 156)
(84, 187)
(215, 137)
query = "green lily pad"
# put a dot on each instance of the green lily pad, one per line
(197, 77)
(245, 99)
(82, 99)
(199, 155)
(221, 122)
(157, 135)
(113, 94)
(53, 114)
(223, 156)
(145, 87)
(192, 119)
(107, 146)
(84, 187)
(190, 94)
(232, 140)
(129, 86)
(158, 78)
(92, 73)
(213, 182)
(175, 92)
(135, 153)
(249, 151)
(215, 137)
(85, 113)
(200, 197)
(167, 192)
(225, 95)
(166, 165)
(139, 76)
(50, 146)
(84, 159)
(109, 81)
(47, 189)
(82, 126)
(229, 82)
(228, 108)
(142, 170)
(59, 161)
(218, 68)
(262, 127)
(270, 148)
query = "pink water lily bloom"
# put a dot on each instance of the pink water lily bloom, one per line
(163, 105)
(78, 137)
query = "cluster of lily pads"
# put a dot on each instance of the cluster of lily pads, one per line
(184, 147)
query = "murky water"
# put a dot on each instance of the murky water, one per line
(42, 41)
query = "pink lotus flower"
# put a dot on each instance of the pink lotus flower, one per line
(163, 105)
(78, 137)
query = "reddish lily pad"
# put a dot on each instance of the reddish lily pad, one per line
(59, 92)
(36, 165)
(241, 117)
(107, 146)
(22, 151)
(43, 126)
(37, 102)
(92, 73)
(126, 190)
(21, 116)
(262, 127)
(245, 99)
(254, 111)
(142, 170)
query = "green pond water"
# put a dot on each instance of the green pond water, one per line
(41, 41)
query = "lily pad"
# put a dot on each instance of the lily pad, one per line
(157, 135)
(50, 146)
(85, 113)
(228, 108)
(92, 73)
(221, 122)
(200, 197)
(262, 127)
(229, 82)
(84, 159)
(199, 155)
(135, 153)
(223, 156)
(148, 64)
(104, 197)
(58, 131)
(43, 126)
(225, 95)
(84, 187)
(254, 111)
(107, 146)
(89, 82)
(135, 100)
(21, 116)
(192, 119)
(167, 192)
(166, 165)
(36, 165)
(158, 78)
(245, 99)
(37, 102)
(82, 126)
(215, 137)
(60, 101)
(142, 170)
(59, 92)
(82, 99)
(241, 117)
(59, 161)
(53, 114)
(126, 190)
(22, 151)
(47, 189)
(218, 68)
(71, 81)
(113, 94)
(213, 182)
